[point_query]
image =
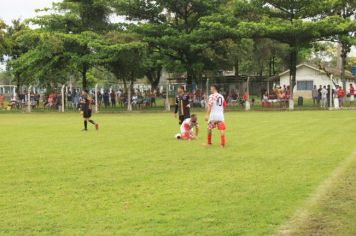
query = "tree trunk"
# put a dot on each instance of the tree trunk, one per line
(237, 68)
(154, 77)
(84, 76)
(190, 77)
(344, 51)
(293, 70)
(18, 84)
(125, 86)
(129, 104)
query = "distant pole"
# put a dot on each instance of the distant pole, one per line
(168, 105)
(14, 91)
(330, 93)
(67, 103)
(63, 89)
(291, 93)
(29, 99)
(248, 105)
(129, 104)
(207, 92)
(96, 99)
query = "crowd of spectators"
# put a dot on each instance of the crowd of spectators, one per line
(324, 94)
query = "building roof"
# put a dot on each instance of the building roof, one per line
(324, 70)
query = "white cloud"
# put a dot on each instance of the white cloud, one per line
(14, 9)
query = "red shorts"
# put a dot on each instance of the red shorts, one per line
(219, 125)
(187, 135)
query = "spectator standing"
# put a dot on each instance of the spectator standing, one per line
(113, 99)
(341, 96)
(352, 94)
(315, 95)
(245, 96)
(324, 97)
(106, 98)
(1, 101)
(319, 94)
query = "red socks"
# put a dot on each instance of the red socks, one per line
(223, 140)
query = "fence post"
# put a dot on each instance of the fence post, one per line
(207, 93)
(129, 104)
(96, 99)
(247, 104)
(29, 99)
(62, 91)
(14, 92)
(168, 105)
(291, 94)
(66, 98)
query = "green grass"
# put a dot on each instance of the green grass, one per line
(331, 211)
(133, 178)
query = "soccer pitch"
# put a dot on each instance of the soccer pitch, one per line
(133, 178)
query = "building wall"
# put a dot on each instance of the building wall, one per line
(305, 73)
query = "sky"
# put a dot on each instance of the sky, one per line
(14, 9)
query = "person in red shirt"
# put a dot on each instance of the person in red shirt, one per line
(352, 94)
(341, 95)
(245, 96)
(1, 101)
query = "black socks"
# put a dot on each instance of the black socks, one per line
(91, 121)
(85, 125)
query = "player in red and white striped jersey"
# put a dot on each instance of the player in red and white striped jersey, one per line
(187, 129)
(215, 114)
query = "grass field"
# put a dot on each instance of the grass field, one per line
(133, 178)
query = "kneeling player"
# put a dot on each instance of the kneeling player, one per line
(215, 114)
(187, 129)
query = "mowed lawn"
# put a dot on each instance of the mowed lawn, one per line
(133, 178)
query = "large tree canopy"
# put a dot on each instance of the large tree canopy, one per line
(299, 23)
(79, 20)
(169, 28)
(3, 40)
(191, 37)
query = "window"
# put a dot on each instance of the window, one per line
(305, 85)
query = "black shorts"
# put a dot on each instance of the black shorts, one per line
(87, 113)
(182, 119)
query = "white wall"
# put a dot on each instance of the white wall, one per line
(305, 73)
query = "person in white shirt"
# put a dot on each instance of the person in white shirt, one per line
(324, 97)
(215, 114)
(187, 129)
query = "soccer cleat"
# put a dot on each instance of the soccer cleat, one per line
(97, 126)
(84, 130)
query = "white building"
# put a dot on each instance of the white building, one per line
(308, 76)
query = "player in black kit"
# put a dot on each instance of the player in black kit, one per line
(86, 110)
(182, 105)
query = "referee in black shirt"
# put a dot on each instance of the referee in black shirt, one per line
(86, 110)
(182, 105)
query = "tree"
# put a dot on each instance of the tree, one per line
(238, 43)
(45, 61)
(75, 19)
(121, 53)
(346, 9)
(16, 49)
(3, 40)
(170, 31)
(298, 23)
